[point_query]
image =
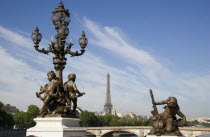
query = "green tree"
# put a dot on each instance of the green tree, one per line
(122, 122)
(6, 119)
(25, 119)
(195, 122)
(100, 120)
(88, 119)
(192, 123)
(19, 120)
(32, 113)
(33, 110)
(131, 121)
(136, 122)
(107, 120)
(149, 122)
(205, 124)
(28, 120)
(114, 121)
(1, 104)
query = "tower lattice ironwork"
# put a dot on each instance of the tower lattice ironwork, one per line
(108, 105)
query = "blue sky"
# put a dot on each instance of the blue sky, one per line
(161, 45)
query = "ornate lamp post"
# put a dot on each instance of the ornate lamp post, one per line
(57, 114)
(61, 20)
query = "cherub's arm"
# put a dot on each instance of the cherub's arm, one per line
(77, 91)
(182, 116)
(160, 103)
(42, 90)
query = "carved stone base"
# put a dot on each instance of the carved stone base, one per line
(56, 127)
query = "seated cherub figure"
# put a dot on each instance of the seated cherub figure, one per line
(51, 91)
(166, 123)
(169, 115)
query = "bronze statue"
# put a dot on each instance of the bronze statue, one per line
(57, 98)
(72, 93)
(54, 97)
(51, 91)
(166, 123)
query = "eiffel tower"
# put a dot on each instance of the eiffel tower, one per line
(108, 105)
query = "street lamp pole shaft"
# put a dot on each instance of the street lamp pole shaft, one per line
(59, 74)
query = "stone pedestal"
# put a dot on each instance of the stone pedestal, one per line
(162, 136)
(56, 127)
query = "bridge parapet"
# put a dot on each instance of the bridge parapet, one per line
(142, 131)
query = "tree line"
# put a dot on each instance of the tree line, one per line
(89, 119)
(24, 120)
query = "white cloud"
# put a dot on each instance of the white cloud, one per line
(18, 81)
(20, 45)
(139, 71)
(156, 75)
(14, 37)
(110, 39)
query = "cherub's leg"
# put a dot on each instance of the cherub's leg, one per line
(69, 102)
(68, 108)
(169, 123)
(74, 106)
(46, 104)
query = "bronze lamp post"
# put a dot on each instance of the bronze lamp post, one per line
(61, 20)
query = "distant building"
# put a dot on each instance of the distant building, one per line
(98, 113)
(113, 111)
(141, 116)
(129, 115)
(120, 115)
(201, 120)
(10, 109)
(207, 121)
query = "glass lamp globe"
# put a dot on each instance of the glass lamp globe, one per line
(83, 41)
(36, 36)
(60, 16)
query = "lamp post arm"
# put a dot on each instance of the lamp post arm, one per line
(71, 53)
(82, 51)
(76, 53)
(42, 50)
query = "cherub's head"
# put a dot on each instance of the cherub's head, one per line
(72, 76)
(172, 102)
(51, 75)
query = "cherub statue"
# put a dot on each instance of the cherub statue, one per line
(72, 93)
(51, 91)
(166, 123)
